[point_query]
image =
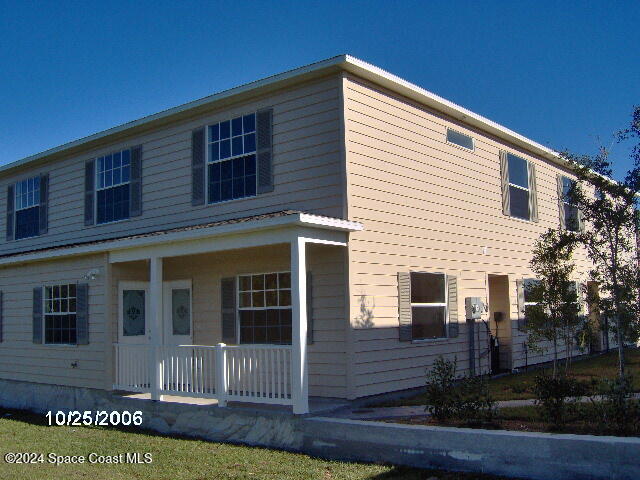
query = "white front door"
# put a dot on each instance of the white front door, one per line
(178, 319)
(133, 308)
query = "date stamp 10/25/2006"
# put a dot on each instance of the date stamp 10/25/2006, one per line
(89, 418)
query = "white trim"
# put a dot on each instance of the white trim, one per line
(332, 65)
(333, 230)
(45, 314)
(444, 304)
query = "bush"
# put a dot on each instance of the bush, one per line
(441, 385)
(616, 408)
(448, 397)
(556, 396)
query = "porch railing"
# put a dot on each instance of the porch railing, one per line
(250, 373)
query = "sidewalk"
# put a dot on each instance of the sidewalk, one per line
(381, 413)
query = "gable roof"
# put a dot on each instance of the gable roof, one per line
(336, 64)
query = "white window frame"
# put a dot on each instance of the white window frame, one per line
(45, 314)
(232, 157)
(528, 189)
(16, 209)
(473, 141)
(444, 304)
(98, 188)
(569, 204)
(238, 307)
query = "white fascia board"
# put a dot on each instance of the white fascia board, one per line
(410, 90)
(335, 64)
(293, 220)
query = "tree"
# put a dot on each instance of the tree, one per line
(610, 216)
(555, 317)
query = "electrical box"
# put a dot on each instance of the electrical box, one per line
(473, 308)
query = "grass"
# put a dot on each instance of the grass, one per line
(519, 386)
(175, 458)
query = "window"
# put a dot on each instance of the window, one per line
(113, 173)
(232, 159)
(264, 304)
(428, 305)
(519, 187)
(27, 208)
(460, 139)
(570, 211)
(60, 314)
(532, 295)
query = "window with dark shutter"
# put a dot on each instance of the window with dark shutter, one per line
(27, 208)
(265, 150)
(89, 192)
(113, 187)
(264, 308)
(10, 212)
(135, 182)
(43, 227)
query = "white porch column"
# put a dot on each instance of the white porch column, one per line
(299, 367)
(155, 319)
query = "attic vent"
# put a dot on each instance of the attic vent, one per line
(460, 139)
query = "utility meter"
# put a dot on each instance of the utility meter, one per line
(473, 308)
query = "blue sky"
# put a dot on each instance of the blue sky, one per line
(562, 73)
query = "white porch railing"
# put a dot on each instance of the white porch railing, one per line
(250, 373)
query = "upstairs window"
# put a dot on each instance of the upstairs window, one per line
(231, 159)
(570, 211)
(112, 192)
(460, 139)
(27, 208)
(428, 305)
(519, 188)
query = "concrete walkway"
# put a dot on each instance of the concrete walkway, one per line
(381, 413)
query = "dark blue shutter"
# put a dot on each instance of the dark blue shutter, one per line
(197, 167)
(264, 125)
(228, 307)
(43, 219)
(37, 315)
(82, 314)
(135, 183)
(89, 192)
(11, 197)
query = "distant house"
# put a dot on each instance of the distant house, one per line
(325, 224)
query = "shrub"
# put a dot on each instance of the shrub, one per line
(448, 397)
(616, 408)
(441, 385)
(474, 400)
(556, 395)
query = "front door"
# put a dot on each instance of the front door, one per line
(178, 323)
(133, 308)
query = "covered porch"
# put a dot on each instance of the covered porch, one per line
(223, 312)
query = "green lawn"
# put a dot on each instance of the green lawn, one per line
(520, 386)
(174, 458)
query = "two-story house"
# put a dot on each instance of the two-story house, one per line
(313, 233)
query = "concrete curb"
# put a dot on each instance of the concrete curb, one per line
(538, 456)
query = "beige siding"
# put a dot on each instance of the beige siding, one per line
(20, 358)
(326, 355)
(308, 173)
(426, 205)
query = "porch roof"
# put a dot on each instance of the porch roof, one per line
(229, 227)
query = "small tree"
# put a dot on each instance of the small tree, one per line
(611, 223)
(555, 317)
